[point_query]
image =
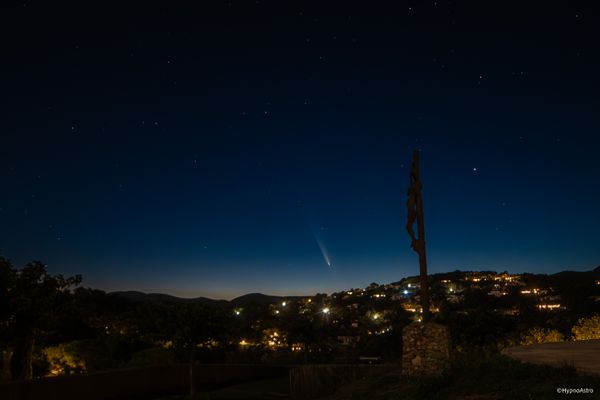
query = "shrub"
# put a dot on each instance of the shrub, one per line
(63, 360)
(587, 328)
(541, 335)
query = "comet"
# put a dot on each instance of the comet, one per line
(323, 251)
(318, 231)
(322, 247)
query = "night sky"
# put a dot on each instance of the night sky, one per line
(219, 148)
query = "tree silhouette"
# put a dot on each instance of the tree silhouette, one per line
(192, 327)
(31, 299)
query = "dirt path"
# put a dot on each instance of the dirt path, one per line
(583, 355)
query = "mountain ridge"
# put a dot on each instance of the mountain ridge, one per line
(265, 299)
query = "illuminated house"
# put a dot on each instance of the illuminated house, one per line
(550, 307)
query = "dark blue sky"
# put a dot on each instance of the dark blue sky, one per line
(203, 150)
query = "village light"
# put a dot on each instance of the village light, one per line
(405, 292)
(326, 310)
(283, 304)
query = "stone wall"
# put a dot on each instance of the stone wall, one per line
(425, 349)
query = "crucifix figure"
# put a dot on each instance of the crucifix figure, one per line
(415, 213)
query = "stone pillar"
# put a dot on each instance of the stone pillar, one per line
(425, 349)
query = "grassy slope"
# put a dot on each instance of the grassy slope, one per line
(477, 376)
(472, 376)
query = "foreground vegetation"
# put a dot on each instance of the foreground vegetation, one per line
(480, 375)
(49, 325)
(473, 375)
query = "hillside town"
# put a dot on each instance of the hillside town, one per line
(375, 310)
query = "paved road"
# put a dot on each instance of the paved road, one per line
(584, 354)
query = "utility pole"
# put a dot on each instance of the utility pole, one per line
(415, 213)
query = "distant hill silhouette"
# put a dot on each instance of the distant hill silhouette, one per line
(140, 297)
(574, 278)
(559, 279)
(256, 298)
(573, 275)
(241, 301)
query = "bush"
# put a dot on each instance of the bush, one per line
(79, 356)
(541, 335)
(587, 328)
(63, 360)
